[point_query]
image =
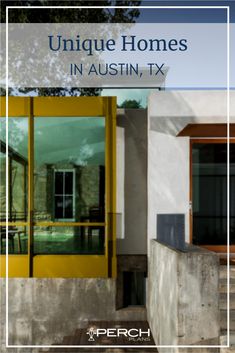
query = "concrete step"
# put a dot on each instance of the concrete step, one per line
(223, 271)
(223, 320)
(223, 285)
(224, 342)
(223, 301)
(232, 334)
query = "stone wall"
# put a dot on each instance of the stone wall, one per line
(87, 182)
(87, 188)
(183, 296)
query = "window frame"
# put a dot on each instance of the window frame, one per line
(204, 140)
(67, 265)
(72, 170)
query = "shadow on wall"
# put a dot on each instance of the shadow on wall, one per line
(134, 123)
(170, 112)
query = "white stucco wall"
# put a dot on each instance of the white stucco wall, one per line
(170, 111)
(168, 177)
(168, 156)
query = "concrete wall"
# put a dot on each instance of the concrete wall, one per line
(43, 311)
(168, 156)
(183, 297)
(133, 123)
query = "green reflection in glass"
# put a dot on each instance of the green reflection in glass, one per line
(69, 173)
(210, 193)
(69, 240)
(17, 168)
(17, 240)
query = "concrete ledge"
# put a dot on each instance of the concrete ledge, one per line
(183, 295)
(42, 311)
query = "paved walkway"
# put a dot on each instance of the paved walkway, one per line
(87, 336)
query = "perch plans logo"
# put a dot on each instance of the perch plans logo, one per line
(132, 334)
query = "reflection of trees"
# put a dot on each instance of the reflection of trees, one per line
(86, 15)
(62, 140)
(17, 134)
(131, 104)
(17, 162)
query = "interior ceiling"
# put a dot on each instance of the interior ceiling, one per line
(80, 141)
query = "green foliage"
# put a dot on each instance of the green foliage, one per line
(131, 104)
(117, 15)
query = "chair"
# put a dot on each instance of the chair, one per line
(12, 231)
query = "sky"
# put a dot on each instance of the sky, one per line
(187, 15)
(176, 16)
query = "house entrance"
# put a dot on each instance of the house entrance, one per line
(209, 188)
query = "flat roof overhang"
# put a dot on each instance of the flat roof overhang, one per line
(207, 130)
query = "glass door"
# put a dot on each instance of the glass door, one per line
(209, 194)
(69, 208)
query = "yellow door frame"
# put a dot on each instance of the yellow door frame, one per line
(66, 265)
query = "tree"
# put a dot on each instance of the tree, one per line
(131, 104)
(117, 15)
(105, 15)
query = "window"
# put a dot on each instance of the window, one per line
(17, 187)
(209, 182)
(61, 186)
(69, 185)
(64, 194)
